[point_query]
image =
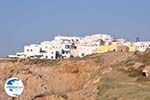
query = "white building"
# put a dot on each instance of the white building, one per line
(95, 39)
(61, 47)
(85, 50)
(89, 44)
(18, 55)
(142, 46)
(33, 51)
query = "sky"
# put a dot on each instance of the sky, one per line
(23, 22)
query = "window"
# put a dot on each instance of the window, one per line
(114, 50)
(31, 50)
(121, 50)
(75, 47)
(51, 57)
(46, 56)
(67, 46)
(52, 52)
(67, 52)
(82, 54)
(63, 52)
(27, 49)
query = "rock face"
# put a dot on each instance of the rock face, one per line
(47, 81)
(95, 77)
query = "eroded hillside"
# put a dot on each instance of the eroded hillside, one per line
(108, 76)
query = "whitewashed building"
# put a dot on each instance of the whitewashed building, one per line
(142, 46)
(89, 44)
(32, 51)
(86, 50)
(64, 47)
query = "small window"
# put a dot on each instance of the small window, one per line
(51, 57)
(114, 50)
(67, 52)
(46, 56)
(82, 54)
(67, 46)
(52, 52)
(63, 52)
(121, 50)
(31, 50)
(27, 49)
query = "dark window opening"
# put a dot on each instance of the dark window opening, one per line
(114, 50)
(121, 50)
(82, 54)
(67, 46)
(63, 52)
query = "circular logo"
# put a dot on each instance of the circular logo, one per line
(14, 87)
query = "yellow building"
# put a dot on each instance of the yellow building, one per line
(107, 47)
(114, 47)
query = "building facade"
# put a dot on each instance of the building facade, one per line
(64, 47)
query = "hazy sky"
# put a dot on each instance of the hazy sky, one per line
(32, 21)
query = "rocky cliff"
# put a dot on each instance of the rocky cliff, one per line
(108, 76)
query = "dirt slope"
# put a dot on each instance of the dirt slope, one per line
(108, 76)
